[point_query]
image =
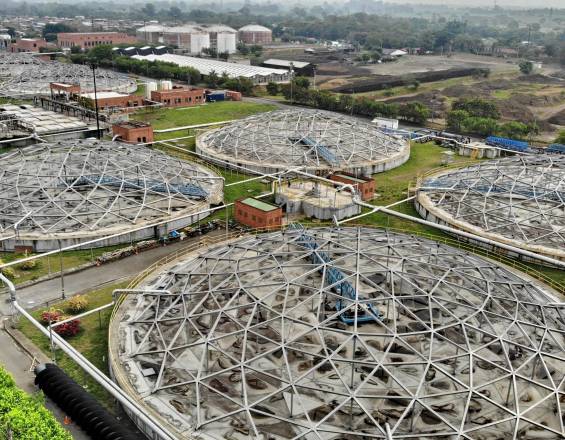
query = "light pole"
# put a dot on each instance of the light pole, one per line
(93, 67)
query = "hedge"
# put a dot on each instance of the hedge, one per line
(24, 416)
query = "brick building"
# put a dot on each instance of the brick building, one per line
(108, 100)
(258, 214)
(88, 40)
(365, 185)
(179, 96)
(133, 132)
(28, 45)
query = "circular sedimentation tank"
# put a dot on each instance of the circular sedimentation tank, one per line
(312, 140)
(57, 194)
(350, 333)
(23, 75)
(518, 201)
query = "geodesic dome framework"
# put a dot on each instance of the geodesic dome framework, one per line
(343, 333)
(517, 200)
(29, 77)
(12, 64)
(76, 190)
(304, 138)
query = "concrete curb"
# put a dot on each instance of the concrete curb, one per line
(24, 342)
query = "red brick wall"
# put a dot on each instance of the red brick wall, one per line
(89, 40)
(256, 37)
(28, 45)
(366, 189)
(178, 97)
(255, 218)
(133, 134)
(121, 101)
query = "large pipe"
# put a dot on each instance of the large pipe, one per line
(494, 243)
(88, 367)
(80, 405)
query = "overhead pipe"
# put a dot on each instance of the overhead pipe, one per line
(88, 367)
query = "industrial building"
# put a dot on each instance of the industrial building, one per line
(223, 39)
(314, 200)
(88, 40)
(517, 200)
(316, 141)
(256, 213)
(110, 100)
(342, 333)
(191, 39)
(57, 194)
(151, 33)
(178, 96)
(20, 125)
(28, 45)
(364, 186)
(133, 132)
(299, 68)
(28, 77)
(255, 34)
(259, 75)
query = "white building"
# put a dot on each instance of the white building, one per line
(259, 75)
(223, 38)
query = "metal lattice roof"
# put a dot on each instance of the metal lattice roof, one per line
(22, 75)
(302, 138)
(83, 187)
(520, 199)
(256, 339)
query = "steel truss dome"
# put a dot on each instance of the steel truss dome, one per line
(251, 339)
(12, 64)
(91, 188)
(518, 200)
(28, 76)
(304, 138)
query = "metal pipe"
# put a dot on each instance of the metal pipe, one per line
(451, 230)
(82, 315)
(87, 366)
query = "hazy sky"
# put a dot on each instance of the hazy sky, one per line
(515, 3)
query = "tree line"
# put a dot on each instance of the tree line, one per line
(479, 116)
(299, 92)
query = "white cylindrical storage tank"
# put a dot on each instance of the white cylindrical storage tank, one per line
(199, 41)
(151, 86)
(166, 84)
(226, 42)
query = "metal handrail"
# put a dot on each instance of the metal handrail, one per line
(493, 255)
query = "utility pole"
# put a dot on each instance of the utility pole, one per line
(93, 67)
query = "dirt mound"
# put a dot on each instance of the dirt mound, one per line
(533, 100)
(434, 101)
(558, 118)
(539, 79)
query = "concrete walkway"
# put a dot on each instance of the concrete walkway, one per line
(18, 362)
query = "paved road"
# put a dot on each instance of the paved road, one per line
(50, 290)
(18, 362)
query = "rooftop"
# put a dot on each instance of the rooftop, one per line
(286, 63)
(258, 204)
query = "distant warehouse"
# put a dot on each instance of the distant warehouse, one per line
(300, 68)
(259, 75)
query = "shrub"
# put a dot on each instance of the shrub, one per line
(51, 315)
(24, 416)
(7, 271)
(77, 304)
(68, 329)
(28, 265)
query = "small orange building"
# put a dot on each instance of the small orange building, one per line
(88, 40)
(365, 185)
(179, 96)
(107, 100)
(133, 132)
(258, 214)
(28, 45)
(67, 90)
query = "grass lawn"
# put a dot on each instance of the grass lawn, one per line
(52, 264)
(392, 186)
(92, 342)
(215, 112)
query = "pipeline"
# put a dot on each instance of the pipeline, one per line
(80, 405)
